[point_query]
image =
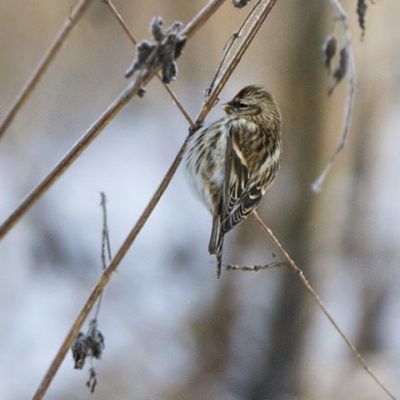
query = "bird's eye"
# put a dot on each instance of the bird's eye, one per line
(242, 105)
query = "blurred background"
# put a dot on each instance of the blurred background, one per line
(172, 330)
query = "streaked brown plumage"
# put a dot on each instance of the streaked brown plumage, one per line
(233, 161)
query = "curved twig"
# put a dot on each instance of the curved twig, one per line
(349, 105)
(297, 270)
(229, 46)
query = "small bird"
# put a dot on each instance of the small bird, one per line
(233, 161)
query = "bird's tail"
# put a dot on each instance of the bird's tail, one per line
(216, 243)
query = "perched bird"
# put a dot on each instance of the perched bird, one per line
(233, 161)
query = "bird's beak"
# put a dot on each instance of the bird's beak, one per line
(227, 107)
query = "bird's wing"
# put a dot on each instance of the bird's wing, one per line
(241, 195)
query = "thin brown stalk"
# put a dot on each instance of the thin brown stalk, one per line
(253, 268)
(296, 269)
(44, 63)
(251, 33)
(105, 254)
(230, 44)
(118, 104)
(106, 276)
(350, 97)
(128, 32)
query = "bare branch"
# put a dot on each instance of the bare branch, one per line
(119, 103)
(253, 268)
(251, 33)
(296, 269)
(351, 90)
(44, 63)
(106, 276)
(229, 46)
(106, 254)
(105, 234)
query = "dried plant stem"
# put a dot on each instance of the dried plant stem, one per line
(294, 267)
(251, 33)
(128, 32)
(106, 276)
(44, 63)
(105, 254)
(119, 103)
(229, 46)
(349, 105)
(253, 268)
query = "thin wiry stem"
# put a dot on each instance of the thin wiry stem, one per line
(252, 268)
(349, 105)
(105, 234)
(105, 255)
(119, 103)
(251, 33)
(128, 32)
(296, 269)
(229, 46)
(44, 63)
(106, 276)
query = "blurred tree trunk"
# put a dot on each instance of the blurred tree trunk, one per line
(358, 239)
(278, 376)
(362, 244)
(212, 332)
(367, 256)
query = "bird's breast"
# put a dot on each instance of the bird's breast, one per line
(205, 163)
(245, 125)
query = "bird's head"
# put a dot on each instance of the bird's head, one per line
(252, 101)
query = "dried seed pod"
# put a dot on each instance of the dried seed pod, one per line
(95, 340)
(361, 12)
(92, 381)
(145, 50)
(89, 345)
(160, 53)
(240, 3)
(179, 46)
(176, 27)
(329, 48)
(156, 29)
(172, 45)
(341, 69)
(80, 350)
